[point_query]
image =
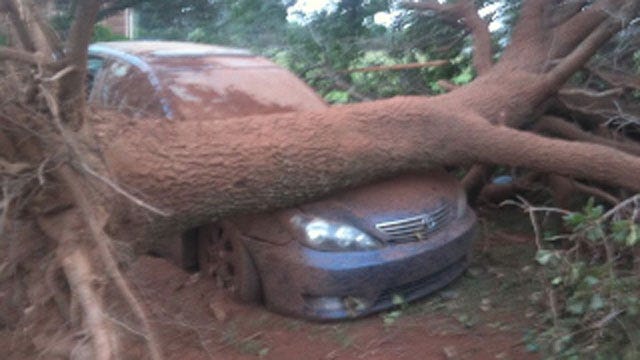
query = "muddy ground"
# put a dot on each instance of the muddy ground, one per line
(485, 314)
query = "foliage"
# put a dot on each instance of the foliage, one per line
(246, 23)
(390, 317)
(61, 21)
(321, 47)
(103, 33)
(592, 283)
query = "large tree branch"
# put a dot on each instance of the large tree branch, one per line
(464, 12)
(266, 167)
(528, 44)
(568, 35)
(536, 43)
(559, 127)
(573, 159)
(565, 11)
(532, 21)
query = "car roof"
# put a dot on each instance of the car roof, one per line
(167, 49)
(193, 80)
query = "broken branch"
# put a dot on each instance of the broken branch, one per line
(588, 47)
(17, 56)
(418, 65)
(569, 131)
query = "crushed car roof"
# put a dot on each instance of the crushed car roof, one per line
(161, 49)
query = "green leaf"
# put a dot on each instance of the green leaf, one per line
(550, 235)
(591, 209)
(532, 347)
(464, 77)
(263, 352)
(544, 257)
(595, 233)
(560, 344)
(337, 97)
(574, 219)
(596, 212)
(397, 299)
(391, 317)
(633, 236)
(620, 230)
(591, 280)
(597, 302)
(576, 272)
(576, 307)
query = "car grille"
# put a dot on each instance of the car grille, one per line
(416, 228)
(410, 290)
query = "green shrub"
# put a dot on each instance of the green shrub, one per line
(592, 284)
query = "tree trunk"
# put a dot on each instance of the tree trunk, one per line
(198, 170)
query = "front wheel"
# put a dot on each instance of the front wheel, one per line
(222, 255)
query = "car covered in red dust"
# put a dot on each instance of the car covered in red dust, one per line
(346, 255)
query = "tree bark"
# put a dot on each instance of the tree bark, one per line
(198, 170)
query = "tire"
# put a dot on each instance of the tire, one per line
(223, 256)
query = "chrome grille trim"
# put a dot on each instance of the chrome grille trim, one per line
(418, 227)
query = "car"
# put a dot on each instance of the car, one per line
(347, 255)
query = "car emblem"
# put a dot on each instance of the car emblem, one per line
(427, 222)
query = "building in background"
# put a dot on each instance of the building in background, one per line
(122, 23)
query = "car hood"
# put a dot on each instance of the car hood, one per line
(389, 200)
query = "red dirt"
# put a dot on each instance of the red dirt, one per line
(189, 310)
(480, 316)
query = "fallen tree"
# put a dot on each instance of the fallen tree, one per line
(87, 177)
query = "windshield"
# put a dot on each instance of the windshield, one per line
(222, 87)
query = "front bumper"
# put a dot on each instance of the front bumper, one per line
(303, 282)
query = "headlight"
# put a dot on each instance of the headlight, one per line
(461, 205)
(330, 236)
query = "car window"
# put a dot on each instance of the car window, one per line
(121, 86)
(94, 65)
(222, 87)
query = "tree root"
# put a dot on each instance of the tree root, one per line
(475, 180)
(95, 222)
(77, 268)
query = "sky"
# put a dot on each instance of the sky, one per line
(306, 7)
